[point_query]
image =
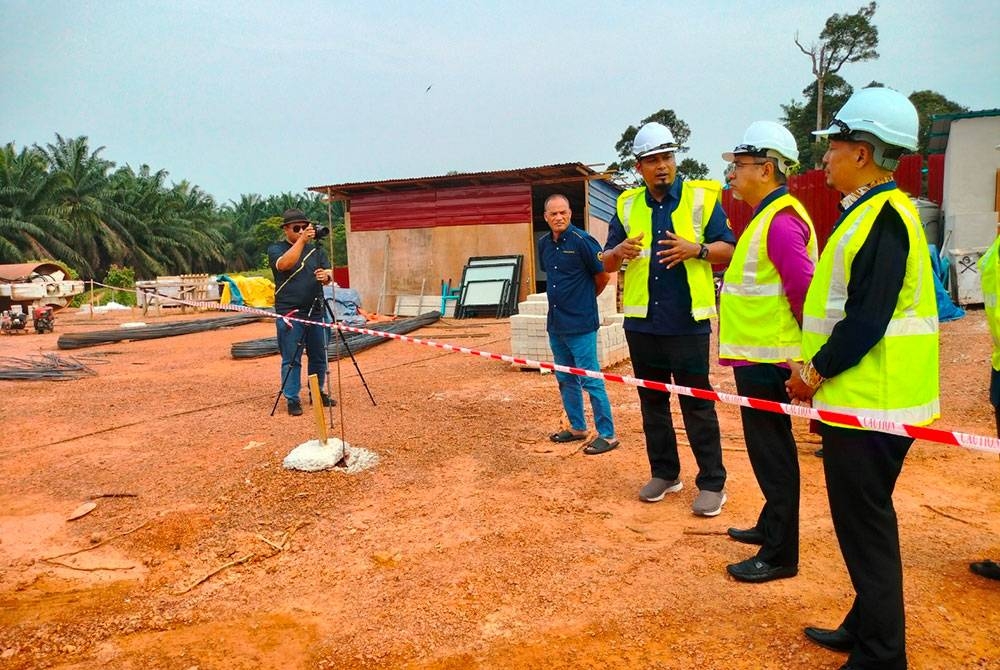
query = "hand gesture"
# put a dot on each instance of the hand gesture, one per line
(676, 250)
(631, 247)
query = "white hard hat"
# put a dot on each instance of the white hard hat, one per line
(653, 138)
(881, 112)
(767, 138)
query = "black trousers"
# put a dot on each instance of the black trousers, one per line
(775, 461)
(861, 469)
(681, 360)
(995, 396)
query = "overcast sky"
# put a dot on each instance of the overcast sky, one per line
(269, 97)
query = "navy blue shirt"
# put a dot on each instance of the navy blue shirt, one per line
(669, 311)
(570, 264)
(298, 291)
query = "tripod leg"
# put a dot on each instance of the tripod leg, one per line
(356, 367)
(333, 320)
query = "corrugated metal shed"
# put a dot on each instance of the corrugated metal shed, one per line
(941, 127)
(603, 196)
(458, 206)
(405, 237)
(526, 175)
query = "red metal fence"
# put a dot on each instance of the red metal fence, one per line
(821, 201)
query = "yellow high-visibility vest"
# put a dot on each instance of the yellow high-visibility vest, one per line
(690, 219)
(989, 277)
(756, 321)
(897, 380)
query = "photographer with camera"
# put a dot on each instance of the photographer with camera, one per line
(299, 275)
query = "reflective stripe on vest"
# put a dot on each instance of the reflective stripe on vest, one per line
(636, 216)
(756, 321)
(989, 277)
(897, 380)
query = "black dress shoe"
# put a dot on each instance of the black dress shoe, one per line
(756, 571)
(836, 639)
(748, 536)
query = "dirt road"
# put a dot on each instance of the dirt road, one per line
(474, 543)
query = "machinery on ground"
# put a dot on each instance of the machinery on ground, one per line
(13, 322)
(44, 319)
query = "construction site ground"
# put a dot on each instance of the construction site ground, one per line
(474, 543)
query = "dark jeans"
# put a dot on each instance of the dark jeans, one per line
(775, 462)
(316, 339)
(861, 468)
(681, 360)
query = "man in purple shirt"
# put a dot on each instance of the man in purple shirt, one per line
(760, 327)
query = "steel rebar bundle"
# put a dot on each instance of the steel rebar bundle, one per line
(92, 338)
(268, 346)
(43, 367)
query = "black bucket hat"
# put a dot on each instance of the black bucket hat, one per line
(293, 216)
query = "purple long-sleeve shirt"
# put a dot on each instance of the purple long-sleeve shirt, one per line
(788, 249)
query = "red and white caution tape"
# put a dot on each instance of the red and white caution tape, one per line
(967, 440)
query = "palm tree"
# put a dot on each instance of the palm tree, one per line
(240, 248)
(99, 228)
(31, 225)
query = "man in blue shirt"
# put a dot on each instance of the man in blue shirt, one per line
(667, 235)
(575, 277)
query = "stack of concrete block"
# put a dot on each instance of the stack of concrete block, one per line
(529, 339)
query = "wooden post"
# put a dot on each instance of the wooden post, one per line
(317, 403)
(385, 275)
(91, 298)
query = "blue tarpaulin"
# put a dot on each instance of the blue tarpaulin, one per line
(947, 310)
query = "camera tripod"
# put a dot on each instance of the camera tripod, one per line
(315, 310)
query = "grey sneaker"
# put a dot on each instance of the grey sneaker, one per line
(656, 488)
(294, 407)
(709, 503)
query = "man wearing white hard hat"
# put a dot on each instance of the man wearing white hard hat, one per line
(870, 345)
(989, 277)
(666, 235)
(760, 328)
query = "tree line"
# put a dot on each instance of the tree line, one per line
(63, 201)
(845, 38)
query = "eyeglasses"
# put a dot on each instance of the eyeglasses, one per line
(733, 166)
(299, 227)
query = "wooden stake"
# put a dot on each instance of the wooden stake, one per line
(318, 409)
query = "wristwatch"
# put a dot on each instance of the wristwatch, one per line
(703, 252)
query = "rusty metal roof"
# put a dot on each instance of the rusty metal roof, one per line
(540, 174)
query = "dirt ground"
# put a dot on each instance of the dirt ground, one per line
(474, 543)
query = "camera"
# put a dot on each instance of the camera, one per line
(321, 232)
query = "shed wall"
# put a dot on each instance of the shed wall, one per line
(970, 184)
(458, 206)
(427, 255)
